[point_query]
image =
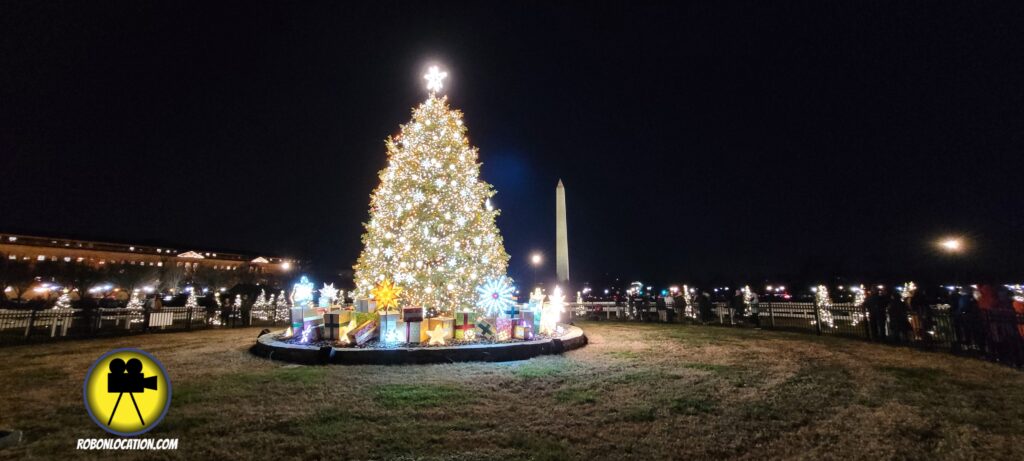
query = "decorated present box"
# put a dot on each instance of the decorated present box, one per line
(409, 332)
(447, 324)
(503, 328)
(530, 317)
(512, 312)
(332, 326)
(388, 326)
(412, 314)
(485, 327)
(366, 305)
(312, 327)
(523, 330)
(364, 332)
(296, 318)
(465, 325)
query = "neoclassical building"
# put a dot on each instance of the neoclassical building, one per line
(33, 249)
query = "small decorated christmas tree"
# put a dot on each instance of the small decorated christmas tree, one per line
(432, 229)
(191, 303)
(281, 308)
(134, 302)
(823, 303)
(64, 301)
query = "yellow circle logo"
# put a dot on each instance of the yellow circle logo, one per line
(127, 392)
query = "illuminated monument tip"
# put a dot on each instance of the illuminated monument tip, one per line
(561, 235)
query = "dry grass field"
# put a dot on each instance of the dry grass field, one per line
(638, 391)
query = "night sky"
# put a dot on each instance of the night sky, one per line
(713, 141)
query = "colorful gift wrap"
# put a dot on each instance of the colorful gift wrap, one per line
(389, 326)
(409, 332)
(366, 305)
(412, 314)
(486, 327)
(314, 325)
(503, 328)
(532, 318)
(296, 316)
(512, 312)
(447, 324)
(523, 330)
(332, 326)
(465, 325)
(363, 333)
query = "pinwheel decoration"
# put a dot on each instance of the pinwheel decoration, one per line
(494, 296)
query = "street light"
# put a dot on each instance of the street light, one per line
(535, 260)
(951, 244)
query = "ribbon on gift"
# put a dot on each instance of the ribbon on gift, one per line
(408, 333)
(466, 325)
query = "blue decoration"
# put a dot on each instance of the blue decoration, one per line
(494, 296)
(302, 293)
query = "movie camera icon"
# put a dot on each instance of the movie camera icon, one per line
(127, 378)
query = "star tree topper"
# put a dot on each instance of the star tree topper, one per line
(434, 77)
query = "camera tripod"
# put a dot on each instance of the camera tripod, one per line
(132, 395)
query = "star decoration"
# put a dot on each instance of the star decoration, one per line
(536, 301)
(345, 330)
(329, 292)
(551, 312)
(436, 336)
(386, 294)
(433, 78)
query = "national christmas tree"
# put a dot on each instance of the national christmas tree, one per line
(432, 229)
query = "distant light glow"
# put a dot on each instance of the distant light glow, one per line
(952, 244)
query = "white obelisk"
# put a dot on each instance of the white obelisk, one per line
(561, 236)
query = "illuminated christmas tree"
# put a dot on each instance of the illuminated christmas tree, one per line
(431, 228)
(64, 301)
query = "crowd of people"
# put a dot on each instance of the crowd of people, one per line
(986, 319)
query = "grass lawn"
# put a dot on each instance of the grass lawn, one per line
(638, 391)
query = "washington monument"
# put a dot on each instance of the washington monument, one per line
(561, 236)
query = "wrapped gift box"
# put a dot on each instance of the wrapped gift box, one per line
(332, 326)
(447, 324)
(409, 332)
(523, 330)
(314, 325)
(366, 305)
(296, 316)
(465, 325)
(363, 333)
(503, 328)
(412, 314)
(485, 327)
(532, 318)
(512, 312)
(389, 326)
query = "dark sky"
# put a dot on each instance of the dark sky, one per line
(711, 140)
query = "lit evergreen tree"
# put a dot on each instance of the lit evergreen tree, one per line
(281, 306)
(191, 302)
(432, 229)
(64, 301)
